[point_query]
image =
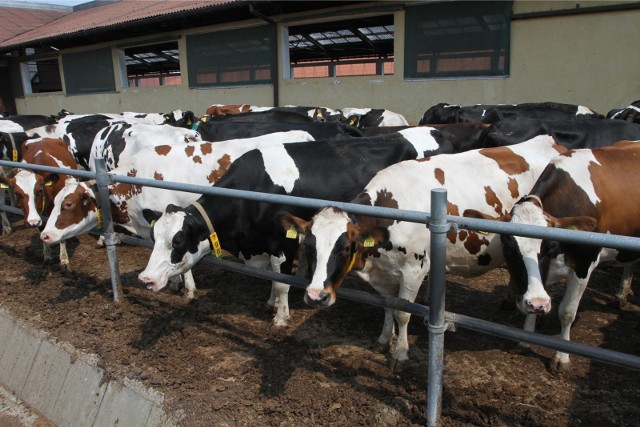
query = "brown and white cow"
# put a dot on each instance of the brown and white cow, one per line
(583, 189)
(222, 109)
(393, 256)
(35, 191)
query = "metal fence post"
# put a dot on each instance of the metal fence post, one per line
(104, 214)
(438, 227)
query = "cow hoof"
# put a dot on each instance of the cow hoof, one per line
(190, 295)
(6, 231)
(65, 267)
(379, 347)
(397, 366)
(558, 366)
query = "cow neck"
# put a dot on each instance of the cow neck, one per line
(200, 209)
(96, 195)
(214, 242)
(14, 150)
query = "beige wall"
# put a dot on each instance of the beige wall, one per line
(587, 59)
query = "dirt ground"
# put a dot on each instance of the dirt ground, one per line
(220, 363)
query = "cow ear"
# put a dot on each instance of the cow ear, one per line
(151, 216)
(473, 213)
(372, 237)
(5, 183)
(582, 223)
(292, 225)
(50, 179)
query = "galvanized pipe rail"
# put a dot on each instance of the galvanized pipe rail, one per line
(438, 222)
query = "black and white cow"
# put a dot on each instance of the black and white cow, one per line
(372, 117)
(630, 113)
(330, 170)
(394, 256)
(449, 113)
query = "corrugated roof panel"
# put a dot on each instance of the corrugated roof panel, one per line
(16, 21)
(109, 15)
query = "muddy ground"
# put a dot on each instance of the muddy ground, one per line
(219, 362)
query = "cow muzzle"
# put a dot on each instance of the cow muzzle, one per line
(320, 297)
(153, 283)
(537, 305)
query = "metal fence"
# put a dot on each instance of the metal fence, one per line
(439, 223)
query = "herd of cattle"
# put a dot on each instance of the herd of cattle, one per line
(546, 164)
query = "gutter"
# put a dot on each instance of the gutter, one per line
(576, 11)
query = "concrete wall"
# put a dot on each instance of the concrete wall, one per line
(586, 59)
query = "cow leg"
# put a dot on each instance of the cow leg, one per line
(567, 312)
(409, 288)
(46, 252)
(279, 294)
(625, 290)
(530, 326)
(6, 225)
(64, 257)
(189, 284)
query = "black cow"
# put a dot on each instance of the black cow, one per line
(271, 116)
(585, 133)
(222, 131)
(448, 113)
(330, 170)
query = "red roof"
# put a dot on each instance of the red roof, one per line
(16, 21)
(103, 17)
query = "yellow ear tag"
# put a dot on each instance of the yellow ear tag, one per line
(215, 245)
(48, 183)
(369, 242)
(85, 202)
(100, 224)
(292, 233)
(4, 186)
(352, 122)
(14, 155)
(153, 222)
(573, 227)
(203, 118)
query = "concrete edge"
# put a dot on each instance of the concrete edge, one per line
(66, 385)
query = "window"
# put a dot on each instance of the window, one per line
(234, 57)
(457, 39)
(40, 76)
(152, 65)
(356, 47)
(89, 72)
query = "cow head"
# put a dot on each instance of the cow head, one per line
(528, 259)
(333, 245)
(74, 212)
(180, 240)
(31, 191)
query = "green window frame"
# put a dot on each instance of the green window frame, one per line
(231, 57)
(89, 72)
(457, 39)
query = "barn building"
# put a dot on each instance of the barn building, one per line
(121, 55)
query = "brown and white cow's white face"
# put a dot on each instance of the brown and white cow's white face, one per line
(180, 242)
(74, 212)
(522, 255)
(332, 245)
(30, 195)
